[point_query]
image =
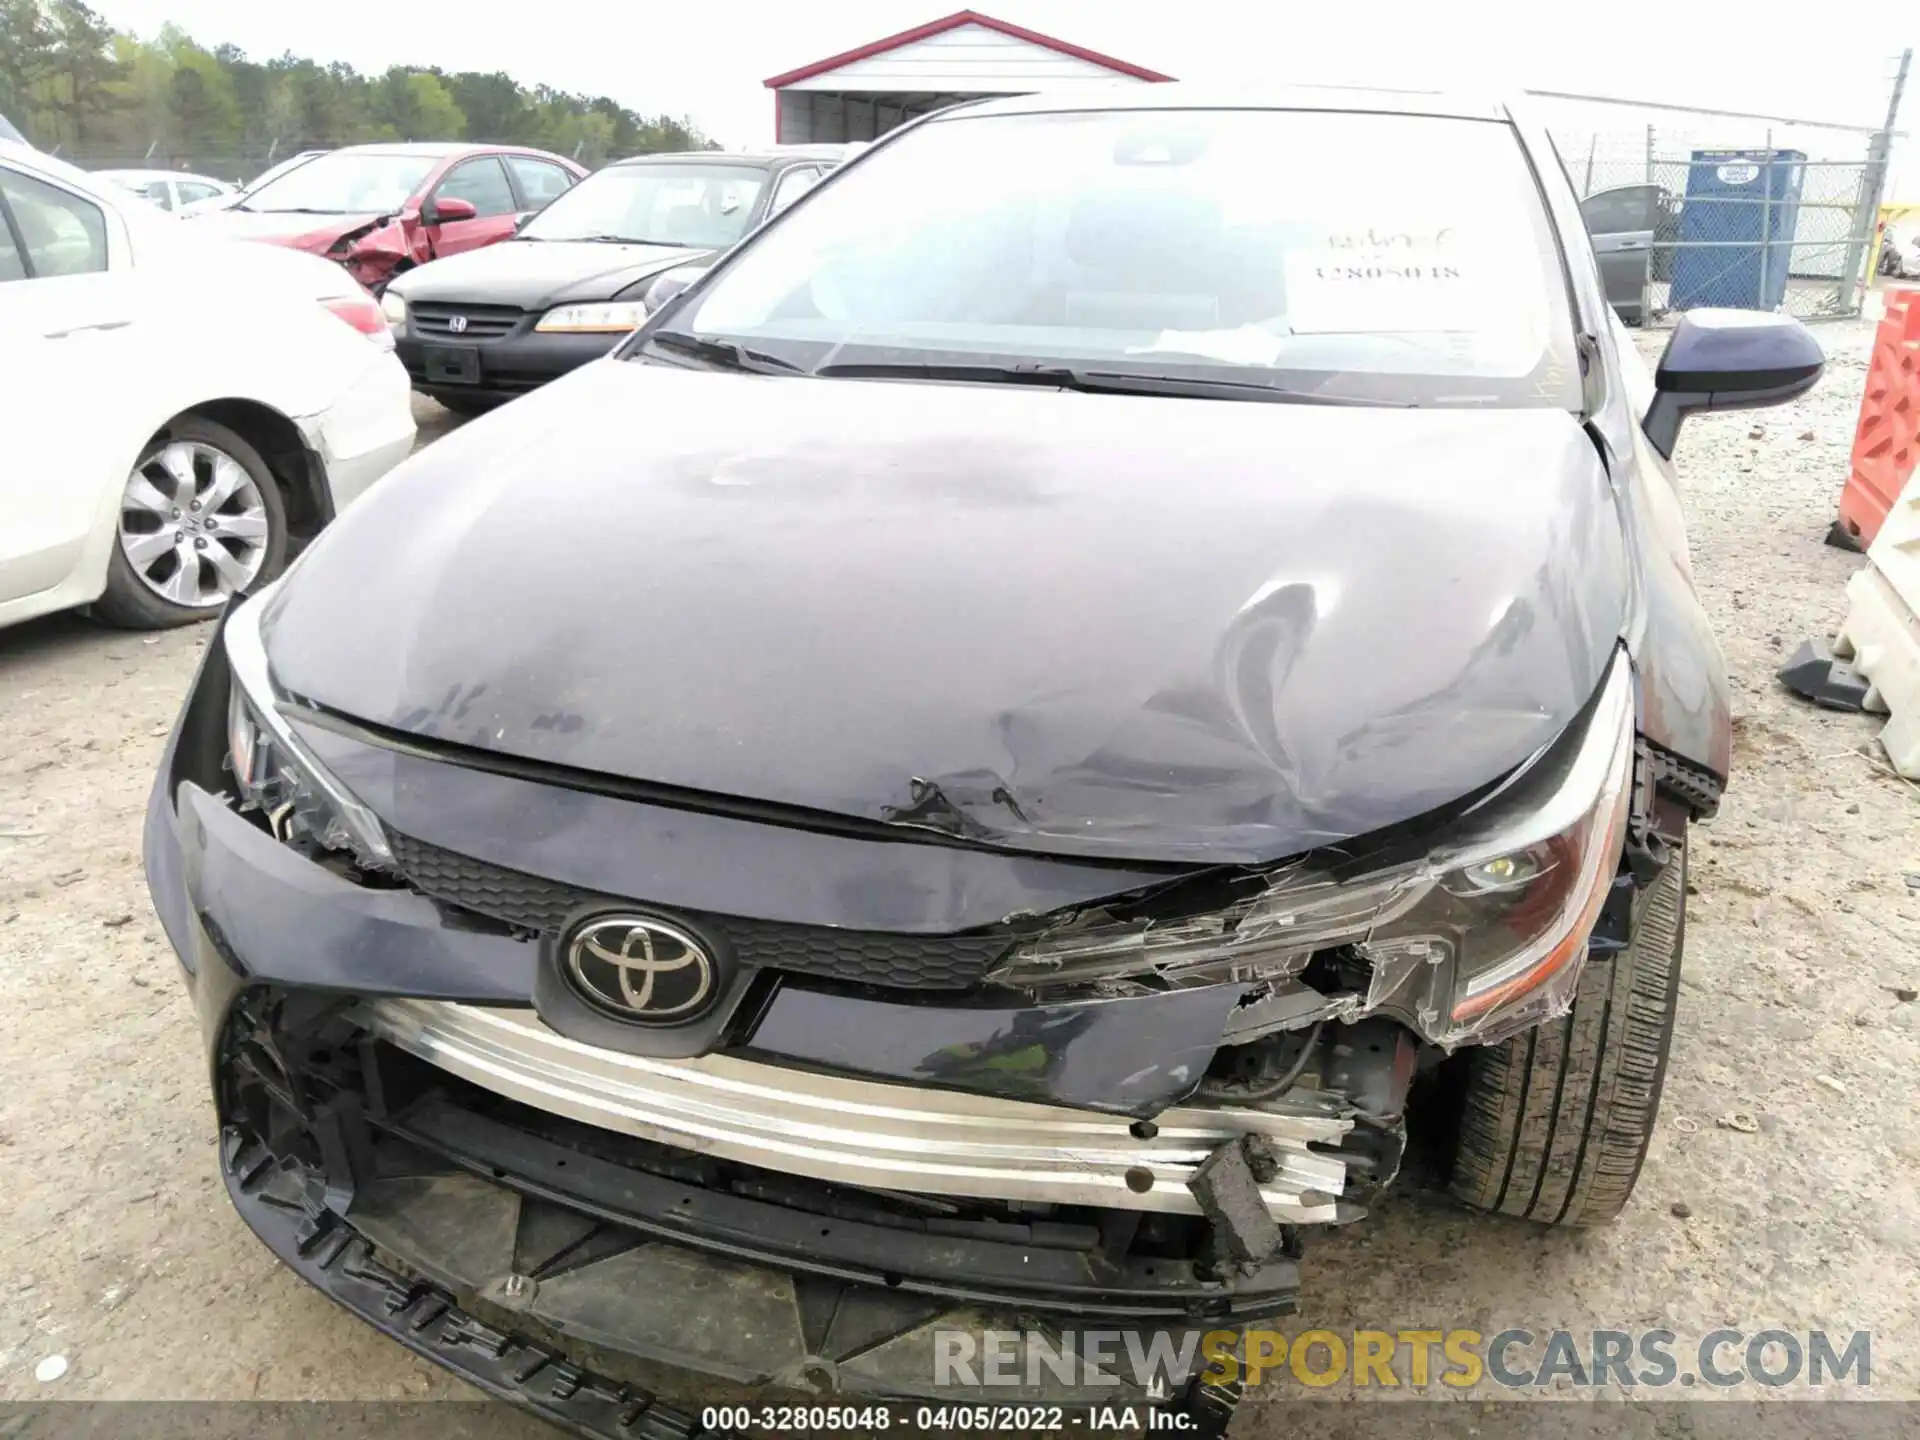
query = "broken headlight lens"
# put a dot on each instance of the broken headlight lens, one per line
(277, 774)
(1506, 900)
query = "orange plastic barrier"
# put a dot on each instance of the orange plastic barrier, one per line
(1887, 444)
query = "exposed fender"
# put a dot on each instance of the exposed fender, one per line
(1685, 707)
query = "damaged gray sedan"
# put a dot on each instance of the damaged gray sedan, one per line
(984, 770)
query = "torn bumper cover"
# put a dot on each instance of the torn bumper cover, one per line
(589, 1272)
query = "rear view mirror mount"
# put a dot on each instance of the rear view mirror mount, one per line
(1729, 360)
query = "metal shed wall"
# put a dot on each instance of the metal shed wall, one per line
(862, 93)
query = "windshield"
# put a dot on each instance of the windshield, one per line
(273, 173)
(700, 206)
(345, 184)
(1390, 258)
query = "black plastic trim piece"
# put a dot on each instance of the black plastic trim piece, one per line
(952, 1267)
(1695, 786)
(330, 1255)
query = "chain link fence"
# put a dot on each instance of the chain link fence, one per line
(1733, 212)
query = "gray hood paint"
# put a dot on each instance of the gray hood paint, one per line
(1159, 629)
(536, 274)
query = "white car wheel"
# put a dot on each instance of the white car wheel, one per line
(200, 520)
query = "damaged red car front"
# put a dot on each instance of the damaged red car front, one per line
(382, 209)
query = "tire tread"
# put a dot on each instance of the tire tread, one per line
(1556, 1121)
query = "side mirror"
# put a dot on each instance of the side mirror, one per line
(669, 284)
(450, 207)
(521, 223)
(1729, 360)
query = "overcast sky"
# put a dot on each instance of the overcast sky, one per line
(707, 60)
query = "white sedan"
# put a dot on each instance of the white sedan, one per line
(179, 413)
(170, 189)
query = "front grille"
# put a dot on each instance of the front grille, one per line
(863, 957)
(482, 322)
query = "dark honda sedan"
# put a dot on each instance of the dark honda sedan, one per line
(477, 329)
(959, 780)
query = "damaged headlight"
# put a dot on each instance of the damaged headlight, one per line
(276, 773)
(1505, 901)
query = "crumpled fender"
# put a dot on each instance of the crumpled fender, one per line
(374, 253)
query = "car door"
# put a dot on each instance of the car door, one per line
(1621, 223)
(483, 183)
(64, 314)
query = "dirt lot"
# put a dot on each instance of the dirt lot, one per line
(119, 1252)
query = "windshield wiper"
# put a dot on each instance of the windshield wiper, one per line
(1101, 382)
(723, 353)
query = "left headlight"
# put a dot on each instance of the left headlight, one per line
(274, 770)
(394, 307)
(614, 318)
(1502, 905)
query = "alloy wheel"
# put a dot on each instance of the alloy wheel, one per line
(192, 524)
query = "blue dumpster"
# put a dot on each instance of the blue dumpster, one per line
(1735, 227)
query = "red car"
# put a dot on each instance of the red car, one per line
(381, 209)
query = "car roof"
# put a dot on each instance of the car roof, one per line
(1178, 96)
(775, 155)
(164, 175)
(438, 149)
(54, 168)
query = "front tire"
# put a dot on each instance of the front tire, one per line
(1555, 1122)
(201, 518)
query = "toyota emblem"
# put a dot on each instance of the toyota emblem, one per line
(457, 324)
(641, 970)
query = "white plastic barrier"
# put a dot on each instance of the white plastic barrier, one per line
(1881, 636)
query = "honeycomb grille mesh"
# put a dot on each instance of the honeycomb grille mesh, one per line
(865, 957)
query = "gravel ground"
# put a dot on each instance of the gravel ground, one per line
(119, 1252)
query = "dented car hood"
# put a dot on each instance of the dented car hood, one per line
(1161, 629)
(280, 227)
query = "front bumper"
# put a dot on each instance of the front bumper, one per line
(556, 1219)
(367, 431)
(506, 367)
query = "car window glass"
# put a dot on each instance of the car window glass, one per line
(699, 206)
(539, 181)
(795, 183)
(192, 190)
(346, 182)
(65, 235)
(483, 183)
(1397, 257)
(1614, 211)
